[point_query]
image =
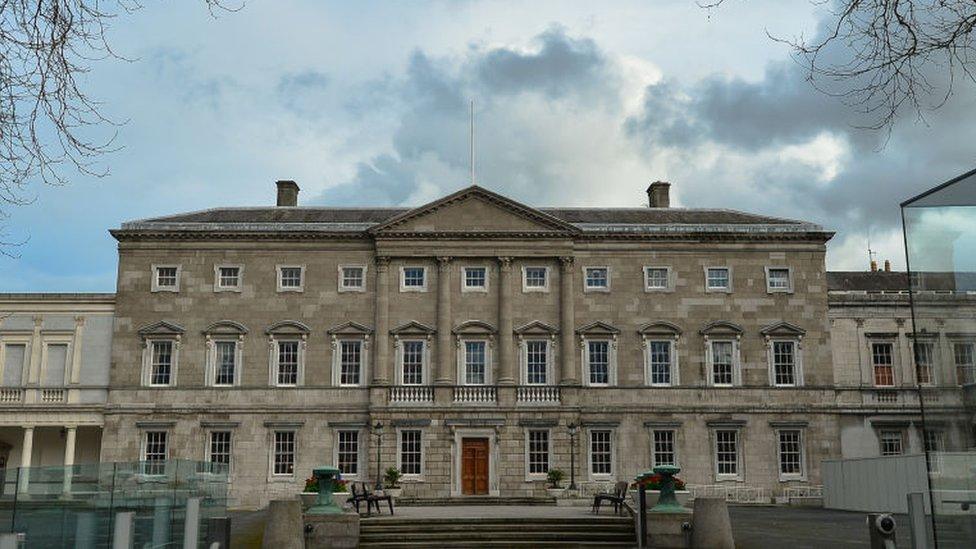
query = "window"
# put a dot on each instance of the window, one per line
(287, 363)
(474, 279)
(219, 450)
(14, 360)
(884, 375)
(538, 445)
(352, 278)
(923, 362)
(161, 363)
(596, 278)
(227, 278)
(412, 360)
(727, 453)
(350, 362)
(225, 362)
(601, 452)
(598, 362)
(662, 447)
(656, 278)
(155, 453)
(934, 446)
(536, 362)
(475, 370)
(535, 279)
(965, 367)
(411, 453)
(413, 279)
(283, 463)
(778, 279)
(784, 363)
(790, 453)
(347, 452)
(166, 278)
(723, 366)
(659, 362)
(718, 279)
(290, 278)
(891, 443)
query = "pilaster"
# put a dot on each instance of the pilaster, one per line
(381, 343)
(445, 347)
(506, 362)
(567, 319)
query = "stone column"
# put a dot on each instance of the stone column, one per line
(25, 458)
(381, 340)
(71, 434)
(445, 350)
(567, 322)
(506, 362)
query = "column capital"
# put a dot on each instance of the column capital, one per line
(566, 262)
(444, 262)
(505, 263)
(382, 262)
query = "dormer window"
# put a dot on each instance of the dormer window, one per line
(166, 278)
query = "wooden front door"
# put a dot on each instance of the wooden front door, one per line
(474, 466)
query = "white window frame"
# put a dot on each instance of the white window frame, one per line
(901, 440)
(147, 357)
(337, 361)
(595, 289)
(524, 359)
(738, 454)
(403, 278)
(960, 380)
(802, 474)
(342, 286)
(797, 360)
(892, 349)
(668, 282)
(271, 461)
(544, 288)
(219, 287)
(589, 454)
(273, 359)
(399, 452)
(208, 446)
(462, 379)
(718, 289)
(211, 375)
(935, 456)
(424, 365)
(155, 277)
(789, 279)
(736, 362)
(611, 360)
(474, 289)
(278, 278)
(915, 344)
(144, 448)
(674, 445)
(360, 447)
(529, 475)
(673, 352)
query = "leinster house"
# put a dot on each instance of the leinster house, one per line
(475, 343)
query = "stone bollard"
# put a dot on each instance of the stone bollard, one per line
(711, 527)
(283, 530)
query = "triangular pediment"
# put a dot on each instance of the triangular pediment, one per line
(413, 328)
(162, 328)
(536, 327)
(474, 210)
(350, 328)
(597, 328)
(782, 329)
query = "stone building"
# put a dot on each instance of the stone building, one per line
(491, 340)
(54, 372)
(876, 355)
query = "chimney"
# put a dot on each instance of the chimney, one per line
(287, 193)
(887, 266)
(874, 266)
(658, 195)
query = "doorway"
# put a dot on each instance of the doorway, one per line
(474, 466)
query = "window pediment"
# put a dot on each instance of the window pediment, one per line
(226, 327)
(350, 328)
(783, 329)
(536, 327)
(288, 327)
(474, 327)
(413, 328)
(161, 328)
(721, 327)
(660, 327)
(597, 328)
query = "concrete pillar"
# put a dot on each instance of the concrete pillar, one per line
(124, 528)
(25, 458)
(567, 322)
(381, 341)
(445, 350)
(191, 524)
(506, 360)
(284, 527)
(71, 434)
(161, 522)
(710, 525)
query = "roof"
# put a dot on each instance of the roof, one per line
(867, 281)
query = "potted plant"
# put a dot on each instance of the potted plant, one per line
(340, 492)
(391, 482)
(554, 478)
(653, 485)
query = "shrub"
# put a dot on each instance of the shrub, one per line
(653, 482)
(391, 477)
(555, 477)
(338, 485)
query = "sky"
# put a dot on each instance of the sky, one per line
(576, 104)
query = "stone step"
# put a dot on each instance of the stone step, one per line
(517, 535)
(563, 544)
(521, 522)
(565, 528)
(474, 500)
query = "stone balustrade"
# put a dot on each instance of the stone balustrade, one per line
(53, 395)
(11, 396)
(411, 394)
(475, 394)
(537, 394)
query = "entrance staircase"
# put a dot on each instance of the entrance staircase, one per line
(569, 532)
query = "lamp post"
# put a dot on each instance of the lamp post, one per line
(573, 430)
(378, 431)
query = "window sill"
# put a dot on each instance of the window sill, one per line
(474, 290)
(165, 290)
(596, 290)
(657, 290)
(359, 289)
(718, 290)
(290, 290)
(535, 290)
(230, 290)
(407, 289)
(281, 478)
(778, 291)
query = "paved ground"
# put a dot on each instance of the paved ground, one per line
(754, 527)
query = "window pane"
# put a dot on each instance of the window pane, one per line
(790, 453)
(410, 452)
(413, 362)
(923, 362)
(220, 447)
(155, 457)
(474, 362)
(166, 277)
(475, 277)
(597, 277)
(722, 366)
(784, 363)
(664, 453)
(350, 362)
(727, 452)
(656, 278)
(348, 453)
(601, 453)
(162, 363)
(883, 372)
(538, 452)
(284, 452)
(535, 277)
(718, 278)
(598, 353)
(229, 276)
(413, 277)
(287, 363)
(891, 443)
(660, 362)
(226, 356)
(965, 367)
(352, 277)
(291, 277)
(779, 279)
(536, 362)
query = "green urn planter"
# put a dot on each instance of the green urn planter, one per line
(325, 504)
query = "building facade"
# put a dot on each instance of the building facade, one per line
(475, 343)
(54, 370)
